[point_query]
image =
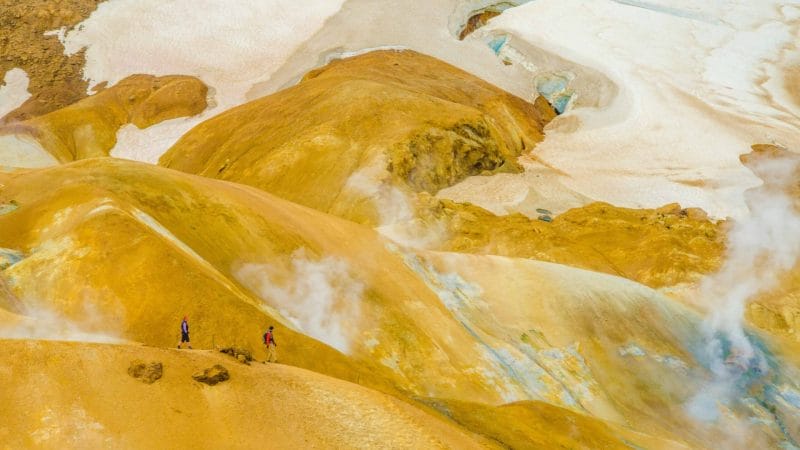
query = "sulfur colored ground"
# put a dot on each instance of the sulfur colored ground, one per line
(539, 425)
(123, 250)
(80, 395)
(129, 249)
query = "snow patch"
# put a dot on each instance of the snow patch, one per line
(19, 150)
(13, 90)
(690, 98)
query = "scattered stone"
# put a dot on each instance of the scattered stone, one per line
(147, 373)
(545, 218)
(212, 375)
(544, 211)
(242, 355)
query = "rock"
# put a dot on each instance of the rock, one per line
(212, 375)
(147, 373)
(477, 20)
(598, 236)
(242, 355)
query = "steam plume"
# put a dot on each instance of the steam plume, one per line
(319, 297)
(761, 248)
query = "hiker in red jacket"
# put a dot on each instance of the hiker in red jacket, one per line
(272, 346)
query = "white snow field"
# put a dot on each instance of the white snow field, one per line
(659, 96)
(698, 83)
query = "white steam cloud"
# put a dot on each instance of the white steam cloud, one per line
(45, 324)
(395, 211)
(321, 298)
(761, 248)
(390, 202)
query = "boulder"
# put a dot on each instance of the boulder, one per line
(212, 375)
(147, 373)
(242, 355)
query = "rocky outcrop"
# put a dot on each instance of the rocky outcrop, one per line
(213, 375)
(470, 15)
(476, 21)
(656, 247)
(147, 373)
(242, 355)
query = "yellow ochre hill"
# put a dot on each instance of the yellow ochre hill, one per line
(122, 250)
(358, 137)
(88, 128)
(362, 125)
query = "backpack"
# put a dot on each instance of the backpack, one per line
(267, 338)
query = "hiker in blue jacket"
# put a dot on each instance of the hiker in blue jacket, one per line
(185, 332)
